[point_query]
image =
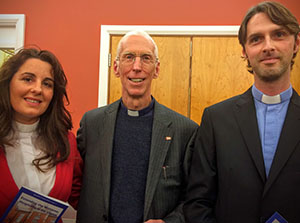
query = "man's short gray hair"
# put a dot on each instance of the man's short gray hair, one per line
(136, 33)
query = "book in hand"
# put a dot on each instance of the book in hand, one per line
(30, 206)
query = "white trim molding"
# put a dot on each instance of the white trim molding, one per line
(107, 30)
(12, 31)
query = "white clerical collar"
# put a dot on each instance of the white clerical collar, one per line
(136, 113)
(276, 99)
(133, 113)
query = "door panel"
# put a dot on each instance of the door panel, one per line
(114, 84)
(295, 74)
(218, 72)
(172, 86)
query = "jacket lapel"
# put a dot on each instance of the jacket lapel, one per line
(246, 117)
(105, 145)
(289, 138)
(162, 134)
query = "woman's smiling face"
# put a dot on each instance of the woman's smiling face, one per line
(31, 90)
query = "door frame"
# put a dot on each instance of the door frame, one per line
(12, 30)
(107, 30)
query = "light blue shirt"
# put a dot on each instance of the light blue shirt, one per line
(270, 113)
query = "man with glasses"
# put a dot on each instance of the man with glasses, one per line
(246, 163)
(136, 151)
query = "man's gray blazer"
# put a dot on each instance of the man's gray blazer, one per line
(169, 163)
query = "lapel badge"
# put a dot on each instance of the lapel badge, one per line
(168, 138)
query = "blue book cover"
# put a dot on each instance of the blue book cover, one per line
(30, 206)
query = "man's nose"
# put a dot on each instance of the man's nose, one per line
(137, 64)
(268, 45)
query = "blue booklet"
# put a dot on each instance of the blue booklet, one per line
(30, 206)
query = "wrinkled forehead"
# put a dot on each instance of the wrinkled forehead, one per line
(137, 44)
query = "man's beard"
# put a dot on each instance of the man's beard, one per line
(271, 74)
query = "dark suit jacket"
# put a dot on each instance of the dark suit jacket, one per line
(228, 181)
(172, 139)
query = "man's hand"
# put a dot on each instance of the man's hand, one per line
(154, 221)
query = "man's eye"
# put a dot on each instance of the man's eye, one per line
(146, 57)
(129, 57)
(255, 39)
(280, 34)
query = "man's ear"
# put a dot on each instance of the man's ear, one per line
(116, 68)
(157, 69)
(244, 54)
(297, 43)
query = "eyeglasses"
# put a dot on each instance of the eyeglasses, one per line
(129, 58)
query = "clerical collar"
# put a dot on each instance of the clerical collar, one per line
(276, 99)
(145, 111)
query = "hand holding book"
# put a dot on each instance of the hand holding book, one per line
(30, 206)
